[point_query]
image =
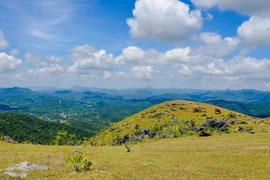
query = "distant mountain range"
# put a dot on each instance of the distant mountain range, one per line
(94, 108)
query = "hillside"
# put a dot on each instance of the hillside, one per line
(29, 129)
(176, 119)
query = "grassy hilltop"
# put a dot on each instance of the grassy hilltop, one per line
(178, 110)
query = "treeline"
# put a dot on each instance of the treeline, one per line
(29, 129)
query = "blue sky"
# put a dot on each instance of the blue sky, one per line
(200, 44)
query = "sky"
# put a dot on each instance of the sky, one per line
(198, 44)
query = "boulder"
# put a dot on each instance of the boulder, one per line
(239, 128)
(204, 134)
(152, 134)
(243, 122)
(26, 166)
(8, 139)
(215, 124)
(145, 131)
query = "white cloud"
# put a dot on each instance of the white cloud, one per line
(54, 59)
(215, 45)
(142, 72)
(164, 20)
(3, 42)
(14, 52)
(8, 63)
(248, 7)
(177, 55)
(52, 69)
(255, 31)
(136, 56)
(32, 58)
(87, 59)
(135, 67)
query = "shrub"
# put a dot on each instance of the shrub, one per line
(231, 115)
(91, 141)
(79, 162)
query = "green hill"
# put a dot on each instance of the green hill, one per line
(175, 119)
(24, 128)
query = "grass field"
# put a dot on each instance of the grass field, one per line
(229, 156)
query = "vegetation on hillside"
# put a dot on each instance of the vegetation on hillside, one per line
(175, 119)
(29, 129)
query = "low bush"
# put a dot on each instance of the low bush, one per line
(79, 162)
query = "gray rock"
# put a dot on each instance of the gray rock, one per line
(16, 175)
(8, 139)
(145, 131)
(215, 124)
(172, 121)
(239, 128)
(251, 132)
(204, 134)
(26, 166)
(152, 134)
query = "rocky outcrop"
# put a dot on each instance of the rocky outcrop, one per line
(16, 175)
(23, 167)
(144, 134)
(8, 139)
(221, 124)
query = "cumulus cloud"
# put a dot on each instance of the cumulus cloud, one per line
(215, 45)
(255, 31)
(51, 69)
(14, 52)
(248, 7)
(142, 72)
(136, 56)
(177, 55)
(54, 59)
(8, 63)
(3, 42)
(32, 58)
(135, 67)
(164, 20)
(87, 59)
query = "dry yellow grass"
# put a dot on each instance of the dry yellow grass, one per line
(179, 109)
(230, 156)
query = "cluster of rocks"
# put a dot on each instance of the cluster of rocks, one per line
(221, 124)
(22, 168)
(144, 134)
(241, 129)
(232, 122)
(214, 124)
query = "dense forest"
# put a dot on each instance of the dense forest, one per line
(29, 129)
